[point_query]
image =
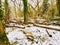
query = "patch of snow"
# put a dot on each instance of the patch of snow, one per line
(17, 35)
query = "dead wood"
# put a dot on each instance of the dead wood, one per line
(15, 26)
(47, 27)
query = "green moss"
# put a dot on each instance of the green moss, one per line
(4, 39)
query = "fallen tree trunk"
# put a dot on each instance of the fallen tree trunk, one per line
(47, 27)
(15, 26)
(38, 25)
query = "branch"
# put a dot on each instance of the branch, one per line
(15, 26)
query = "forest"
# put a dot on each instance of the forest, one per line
(29, 22)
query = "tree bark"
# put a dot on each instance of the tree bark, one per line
(25, 11)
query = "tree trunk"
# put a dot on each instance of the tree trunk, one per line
(7, 11)
(25, 11)
(3, 37)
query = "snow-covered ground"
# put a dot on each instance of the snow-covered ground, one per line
(17, 37)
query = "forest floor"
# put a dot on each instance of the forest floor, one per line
(32, 35)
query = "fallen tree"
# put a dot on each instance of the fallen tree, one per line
(38, 25)
(47, 27)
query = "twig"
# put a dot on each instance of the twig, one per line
(48, 33)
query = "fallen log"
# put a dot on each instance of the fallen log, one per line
(15, 26)
(38, 25)
(18, 22)
(47, 27)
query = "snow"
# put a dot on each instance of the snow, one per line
(17, 37)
